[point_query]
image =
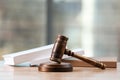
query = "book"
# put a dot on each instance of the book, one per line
(39, 53)
(111, 62)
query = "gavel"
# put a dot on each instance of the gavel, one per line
(59, 49)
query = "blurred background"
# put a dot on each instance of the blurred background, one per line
(92, 25)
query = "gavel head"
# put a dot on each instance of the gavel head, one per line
(58, 48)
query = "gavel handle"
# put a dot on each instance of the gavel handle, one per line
(87, 60)
(90, 61)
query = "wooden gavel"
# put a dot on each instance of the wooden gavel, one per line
(59, 49)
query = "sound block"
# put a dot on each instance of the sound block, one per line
(55, 67)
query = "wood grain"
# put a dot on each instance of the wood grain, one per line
(79, 73)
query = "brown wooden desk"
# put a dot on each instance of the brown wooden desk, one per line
(79, 73)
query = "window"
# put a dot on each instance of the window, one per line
(92, 25)
(22, 25)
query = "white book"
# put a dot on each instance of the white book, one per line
(28, 55)
(39, 53)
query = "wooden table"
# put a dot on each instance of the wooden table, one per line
(79, 73)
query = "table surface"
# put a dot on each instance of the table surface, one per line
(79, 73)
